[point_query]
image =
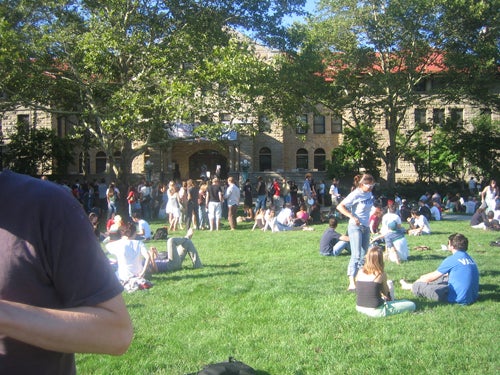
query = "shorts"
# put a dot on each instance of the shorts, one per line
(214, 210)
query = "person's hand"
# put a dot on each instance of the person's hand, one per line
(356, 221)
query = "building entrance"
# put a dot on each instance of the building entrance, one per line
(207, 161)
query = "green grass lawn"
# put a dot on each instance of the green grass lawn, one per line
(271, 301)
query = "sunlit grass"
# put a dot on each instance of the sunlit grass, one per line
(270, 300)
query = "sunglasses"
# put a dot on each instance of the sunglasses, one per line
(368, 185)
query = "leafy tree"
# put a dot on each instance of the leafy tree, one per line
(367, 59)
(456, 151)
(35, 151)
(355, 154)
(479, 147)
(129, 70)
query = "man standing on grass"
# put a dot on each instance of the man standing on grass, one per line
(232, 196)
(58, 294)
(455, 281)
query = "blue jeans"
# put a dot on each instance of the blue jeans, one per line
(339, 247)
(359, 239)
(112, 209)
(260, 203)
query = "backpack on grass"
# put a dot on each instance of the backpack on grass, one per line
(161, 234)
(231, 367)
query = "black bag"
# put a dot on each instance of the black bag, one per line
(161, 234)
(231, 367)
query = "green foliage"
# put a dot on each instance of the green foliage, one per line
(479, 146)
(270, 300)
(371, 56)
(127, 69)
(471, 38)
(35, 151)
(455, 150)
(357, 152)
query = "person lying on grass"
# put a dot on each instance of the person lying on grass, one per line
(374, 293)
(177, 248)
(455, 281)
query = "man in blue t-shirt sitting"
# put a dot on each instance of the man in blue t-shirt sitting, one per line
(455, 281)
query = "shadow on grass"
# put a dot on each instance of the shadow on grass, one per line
(489, 292)
(424, 255)
(176, 275)
(424, 305)
(232, 265)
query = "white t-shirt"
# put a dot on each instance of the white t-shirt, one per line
(389, 218)
(360, 204)
(284, 217)
(130, 255)
(143, 227)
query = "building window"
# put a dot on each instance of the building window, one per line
(264, 124)
(223, 90)
(23, 122)
(336, 124)
(84, 163)
(457, 116)
(61, 126)
(420, 86)
(117, 157)
(265, 159)
(438, 116)
(320, 159)
(100, 162)
(302, 125)
(302, 159)
(485, 112)
(420, 116)
(225, 118)
(319, 124)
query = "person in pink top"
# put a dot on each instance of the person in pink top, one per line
(302, 216)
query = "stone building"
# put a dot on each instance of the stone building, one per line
(281, 150)
(289, 151)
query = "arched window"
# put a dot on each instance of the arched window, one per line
(117, 157)
(320, 159)
(83, 164)
(302, 159)
(100, 162)
(265, 159)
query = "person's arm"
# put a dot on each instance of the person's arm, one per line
(221, 196)
(344, 238)
(386, 294)
(104, 328)
(145, 254)
(483, 193)
(344, 211)
(430, 277)
(377, 238)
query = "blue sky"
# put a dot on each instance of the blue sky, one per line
(309, 6)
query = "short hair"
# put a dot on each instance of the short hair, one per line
(459, 241)
(333, 222)
(415, 212)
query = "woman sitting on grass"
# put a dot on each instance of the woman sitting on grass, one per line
(374, 293)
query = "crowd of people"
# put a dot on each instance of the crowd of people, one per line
(53, 309)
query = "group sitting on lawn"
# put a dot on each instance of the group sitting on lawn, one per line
(133, 260)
